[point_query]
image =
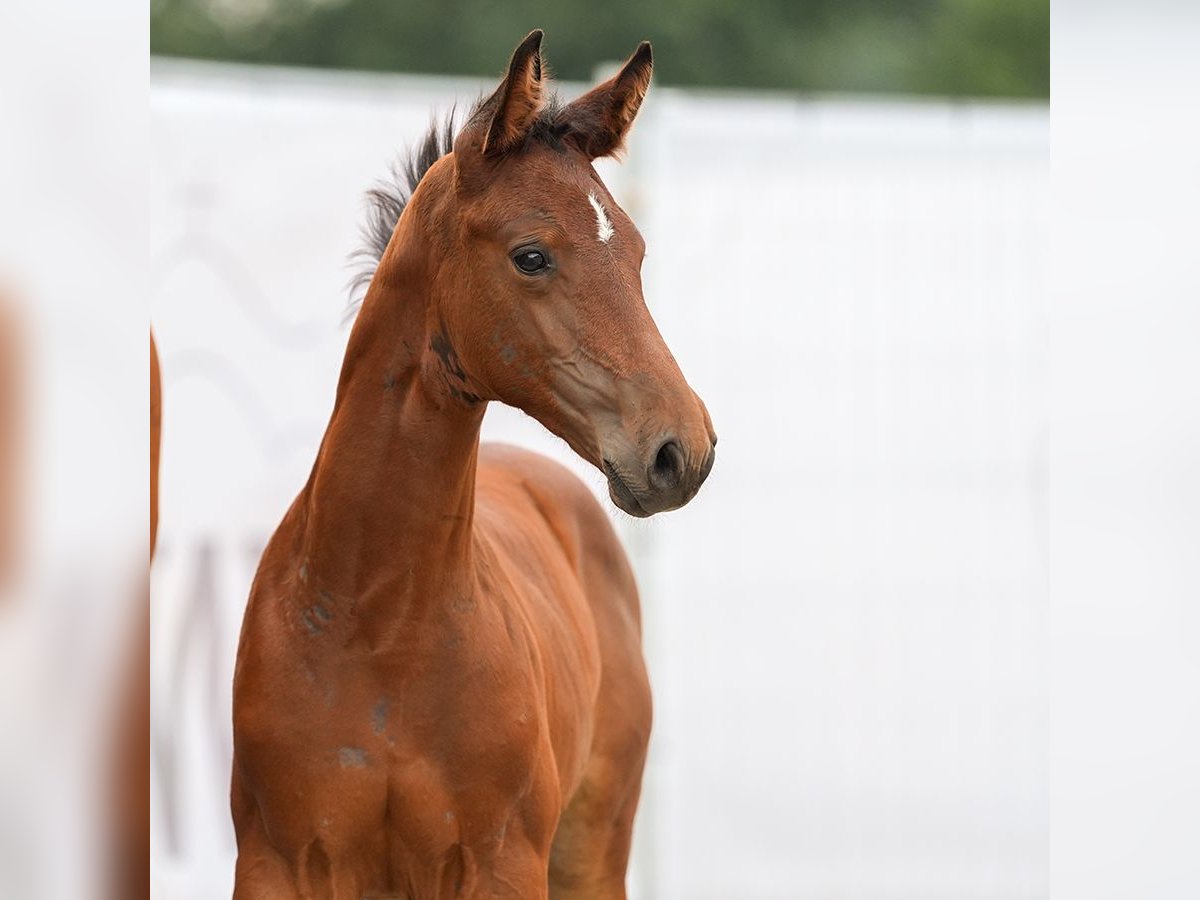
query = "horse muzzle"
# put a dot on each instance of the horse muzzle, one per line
(664, 479)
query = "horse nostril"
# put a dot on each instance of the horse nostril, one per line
(667, 470)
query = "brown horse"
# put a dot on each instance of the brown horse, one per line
(129, 835)
(440, 689)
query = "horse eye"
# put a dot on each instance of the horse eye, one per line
(530, 261)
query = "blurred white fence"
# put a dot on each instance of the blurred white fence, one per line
(844, 629)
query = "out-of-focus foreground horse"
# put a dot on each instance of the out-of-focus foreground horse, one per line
(130, 797)
(440, 689)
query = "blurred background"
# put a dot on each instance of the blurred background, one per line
(959, 48)
(846, 212)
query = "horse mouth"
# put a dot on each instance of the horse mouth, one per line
(621, 494)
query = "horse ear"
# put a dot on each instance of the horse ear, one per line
(519, 98)
(599, 120)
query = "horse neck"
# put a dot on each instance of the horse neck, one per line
(389, 507)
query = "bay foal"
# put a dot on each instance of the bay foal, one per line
(440, 689)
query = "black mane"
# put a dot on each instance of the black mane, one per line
(387, 199)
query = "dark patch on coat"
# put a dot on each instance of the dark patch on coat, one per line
(352, 757)
(441, 346)
(379, 714)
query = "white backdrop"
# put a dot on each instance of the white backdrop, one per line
(844, 630)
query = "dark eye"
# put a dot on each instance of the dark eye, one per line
(530, 261)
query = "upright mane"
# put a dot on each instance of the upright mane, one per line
(386, 200)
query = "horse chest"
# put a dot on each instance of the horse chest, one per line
(410, 766)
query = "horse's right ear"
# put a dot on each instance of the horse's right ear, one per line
(516, 103)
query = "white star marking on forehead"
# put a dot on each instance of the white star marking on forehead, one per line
(604, 228)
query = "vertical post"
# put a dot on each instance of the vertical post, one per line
(628, 183)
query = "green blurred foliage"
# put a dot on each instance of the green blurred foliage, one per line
(997, 48)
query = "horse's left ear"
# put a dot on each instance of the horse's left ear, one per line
(599, 120)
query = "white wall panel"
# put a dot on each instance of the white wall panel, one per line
(844, 628)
